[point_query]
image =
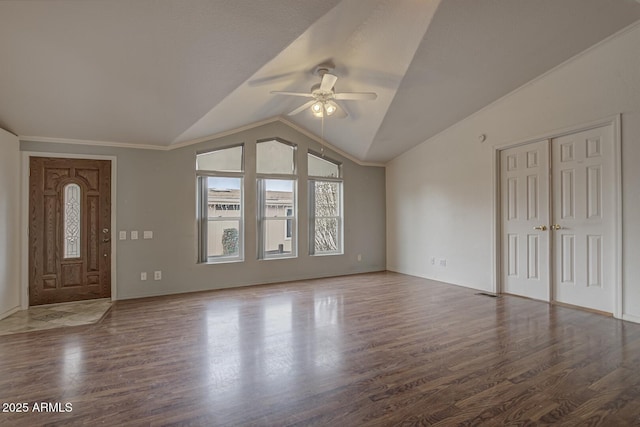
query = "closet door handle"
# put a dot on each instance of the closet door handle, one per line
(540, 227)
(556, 227)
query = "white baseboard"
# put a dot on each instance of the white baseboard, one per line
(631, 318)
(9, 312)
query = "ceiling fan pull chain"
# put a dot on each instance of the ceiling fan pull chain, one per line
(322, 136)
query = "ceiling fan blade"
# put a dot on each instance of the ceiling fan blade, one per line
(274, 78)
(355, 96)
(328, 80)
(302, 108)
(303, 94)
(340, 113)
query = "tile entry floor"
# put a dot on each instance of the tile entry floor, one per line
(55, 316)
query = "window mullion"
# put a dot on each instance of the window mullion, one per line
(261, 217)
(203, 223)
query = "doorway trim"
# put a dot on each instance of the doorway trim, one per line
(24, 214)
(615, 123)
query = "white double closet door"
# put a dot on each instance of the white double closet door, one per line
(557, 215)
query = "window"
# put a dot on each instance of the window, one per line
(275, 157)
(321, 167)
(72, 197)
(225, 160)
(325, 206)
(220, 199)
(277, 189)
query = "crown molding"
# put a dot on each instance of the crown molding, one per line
(26, 138)
(275, 119)
(223, 134)
(618, 34)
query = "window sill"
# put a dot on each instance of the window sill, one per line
(222, 261)
(271, 258)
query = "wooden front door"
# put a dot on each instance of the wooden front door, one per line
(69, 230)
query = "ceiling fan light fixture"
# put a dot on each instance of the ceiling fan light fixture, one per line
(323, 99)
(330, 107)
(316, 107)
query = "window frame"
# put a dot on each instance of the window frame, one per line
(321, 156)
(202, 208)
(312, 207)
(261, 217)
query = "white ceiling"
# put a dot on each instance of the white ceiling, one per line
(162, 72)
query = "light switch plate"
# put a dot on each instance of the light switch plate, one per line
(134, 235)
(157, 275)
(147, 235)
(123, 235)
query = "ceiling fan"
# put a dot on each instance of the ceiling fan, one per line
(323, 96)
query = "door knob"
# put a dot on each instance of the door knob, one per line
(107, 240)
(556, 227)
(540, 227)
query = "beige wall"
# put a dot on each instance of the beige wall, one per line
(156, 191)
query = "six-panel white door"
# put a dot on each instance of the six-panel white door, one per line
(577, 246)
(584, 254)
(525, 220)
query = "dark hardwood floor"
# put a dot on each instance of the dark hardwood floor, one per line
(374, 349)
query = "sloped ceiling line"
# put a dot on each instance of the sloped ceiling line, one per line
(363, 39)
(157, 73)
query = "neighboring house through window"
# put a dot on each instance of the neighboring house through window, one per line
(277, 196)
(289, 230)
(220, 178)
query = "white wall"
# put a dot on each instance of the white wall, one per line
(439, 194)
(9, 224)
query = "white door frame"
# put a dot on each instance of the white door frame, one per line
(24, 214)
(615, 123)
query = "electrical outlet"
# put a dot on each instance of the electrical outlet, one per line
(143, 275)
(157, 275)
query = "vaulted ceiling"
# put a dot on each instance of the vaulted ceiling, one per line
(164, 72)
